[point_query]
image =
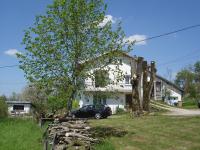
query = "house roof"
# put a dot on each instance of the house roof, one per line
(170, 83)
(18, 102)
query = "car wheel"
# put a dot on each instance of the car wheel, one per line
(98, 116)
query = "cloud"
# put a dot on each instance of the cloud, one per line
(107, 18)
(11, 52)
(139, 39)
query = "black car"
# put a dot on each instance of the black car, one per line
(89, 111)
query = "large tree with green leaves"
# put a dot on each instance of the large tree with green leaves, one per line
(60, 43)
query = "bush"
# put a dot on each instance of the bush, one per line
(120, 110)
(3, 108)
(75, 104)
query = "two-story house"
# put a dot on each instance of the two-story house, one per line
(113, 88)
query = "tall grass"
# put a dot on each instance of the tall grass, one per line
(20, 134)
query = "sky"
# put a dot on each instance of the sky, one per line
(140, 19)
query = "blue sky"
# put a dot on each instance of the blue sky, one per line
(144, 18)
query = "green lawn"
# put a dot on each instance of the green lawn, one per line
(148, 133)
(118, 132)
(20, 134)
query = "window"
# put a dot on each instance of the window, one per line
(99, 99)
(101, 78)
(18, 107)
(158, 86)
(127, 79)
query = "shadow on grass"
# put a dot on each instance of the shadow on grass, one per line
(105, 132)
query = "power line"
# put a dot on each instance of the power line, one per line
(168, 33)
(190, 55)
(146, 39)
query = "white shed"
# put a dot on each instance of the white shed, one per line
(19, 107)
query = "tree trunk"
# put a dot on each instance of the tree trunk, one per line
(145, 87)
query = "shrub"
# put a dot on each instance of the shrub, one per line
(75, 104)
(120, 110)
(3, 108)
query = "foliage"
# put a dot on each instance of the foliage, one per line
(3, 107)
(119, 110)
(14, 97)
(189, 80)
(75, 104)
(63, 45)
(189, 103)
(185, 79)
(55, 103)
(37, 97)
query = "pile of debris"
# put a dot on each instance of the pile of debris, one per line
(72, 134)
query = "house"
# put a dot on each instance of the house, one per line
(107, 88)
(166, 90)
(19, 107)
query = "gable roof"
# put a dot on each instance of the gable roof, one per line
(170, 83)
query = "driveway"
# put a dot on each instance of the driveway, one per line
(173, 111)
(183, 112)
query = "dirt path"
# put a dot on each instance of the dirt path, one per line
(173, 111)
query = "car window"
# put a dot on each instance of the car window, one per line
(99, 106)
(84, 108)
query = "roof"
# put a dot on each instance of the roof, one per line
(18, 102)
(170, 83)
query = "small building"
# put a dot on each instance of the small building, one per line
(19, 107)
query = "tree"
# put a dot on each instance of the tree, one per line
(3, 107)
(197, 72)
(185, 79)
(37, 97)
(14, 97)
(61, 42)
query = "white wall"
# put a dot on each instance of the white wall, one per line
(113, 103)
(175, 94)
(125, 68)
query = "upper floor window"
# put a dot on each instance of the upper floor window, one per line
(127, 79)
(115, 61)
(101, 78)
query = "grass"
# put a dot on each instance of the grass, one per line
(20, 134)
(119, 132)
(148, 132)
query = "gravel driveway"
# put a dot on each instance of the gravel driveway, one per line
(173, 111)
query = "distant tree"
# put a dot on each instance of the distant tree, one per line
(14, 97)
(3, 107)
(197, 71)
(185, 79)
(61, 42)
(37, 97)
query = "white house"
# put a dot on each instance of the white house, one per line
(118, 91)
(19, 107)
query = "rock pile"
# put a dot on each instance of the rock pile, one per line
(73, 135)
